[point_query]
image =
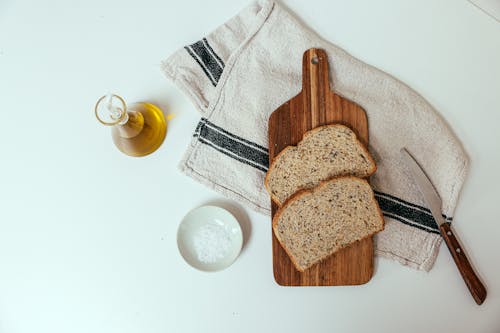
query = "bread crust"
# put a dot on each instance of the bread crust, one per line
(303, 192)
(311, 132)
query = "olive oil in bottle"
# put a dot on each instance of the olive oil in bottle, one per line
(137, 130)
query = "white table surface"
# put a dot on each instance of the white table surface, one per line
(88, 235)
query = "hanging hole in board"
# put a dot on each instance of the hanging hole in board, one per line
(315, 60)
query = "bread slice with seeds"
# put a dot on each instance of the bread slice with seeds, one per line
(314, 224)
(324, 152)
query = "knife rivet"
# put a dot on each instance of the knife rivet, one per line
(449, 233)
(458, 250)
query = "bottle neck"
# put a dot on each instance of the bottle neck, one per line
(132, 127)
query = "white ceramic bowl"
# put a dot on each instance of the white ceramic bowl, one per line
(214, 230)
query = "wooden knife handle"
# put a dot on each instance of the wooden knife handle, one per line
(470, 277)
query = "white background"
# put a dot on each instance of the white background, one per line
(88, 235)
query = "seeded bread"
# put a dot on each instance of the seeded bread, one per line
(313, 224)
(324, 152)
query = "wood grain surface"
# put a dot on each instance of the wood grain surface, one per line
(476, 287)
(314, 106)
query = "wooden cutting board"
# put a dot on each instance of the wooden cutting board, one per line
(314, 106)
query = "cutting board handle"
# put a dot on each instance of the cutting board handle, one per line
(315, 83)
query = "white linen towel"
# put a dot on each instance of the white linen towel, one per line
(241, 72)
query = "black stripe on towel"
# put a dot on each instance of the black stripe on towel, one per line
(197, 130)
(388, 196)
(398, 218)
(207, 59)
(232, 155)
(239, 138)
(213, 53)
(257, 156)
(417, 216)
(188, 49)
(233, 146)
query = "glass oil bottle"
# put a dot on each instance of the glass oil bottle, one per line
(137, 130)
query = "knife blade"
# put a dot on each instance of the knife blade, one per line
(434, 202)
(425, 186)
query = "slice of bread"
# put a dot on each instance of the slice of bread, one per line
(324, 152)
(313, 224)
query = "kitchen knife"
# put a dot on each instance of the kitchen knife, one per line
(433, 200)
